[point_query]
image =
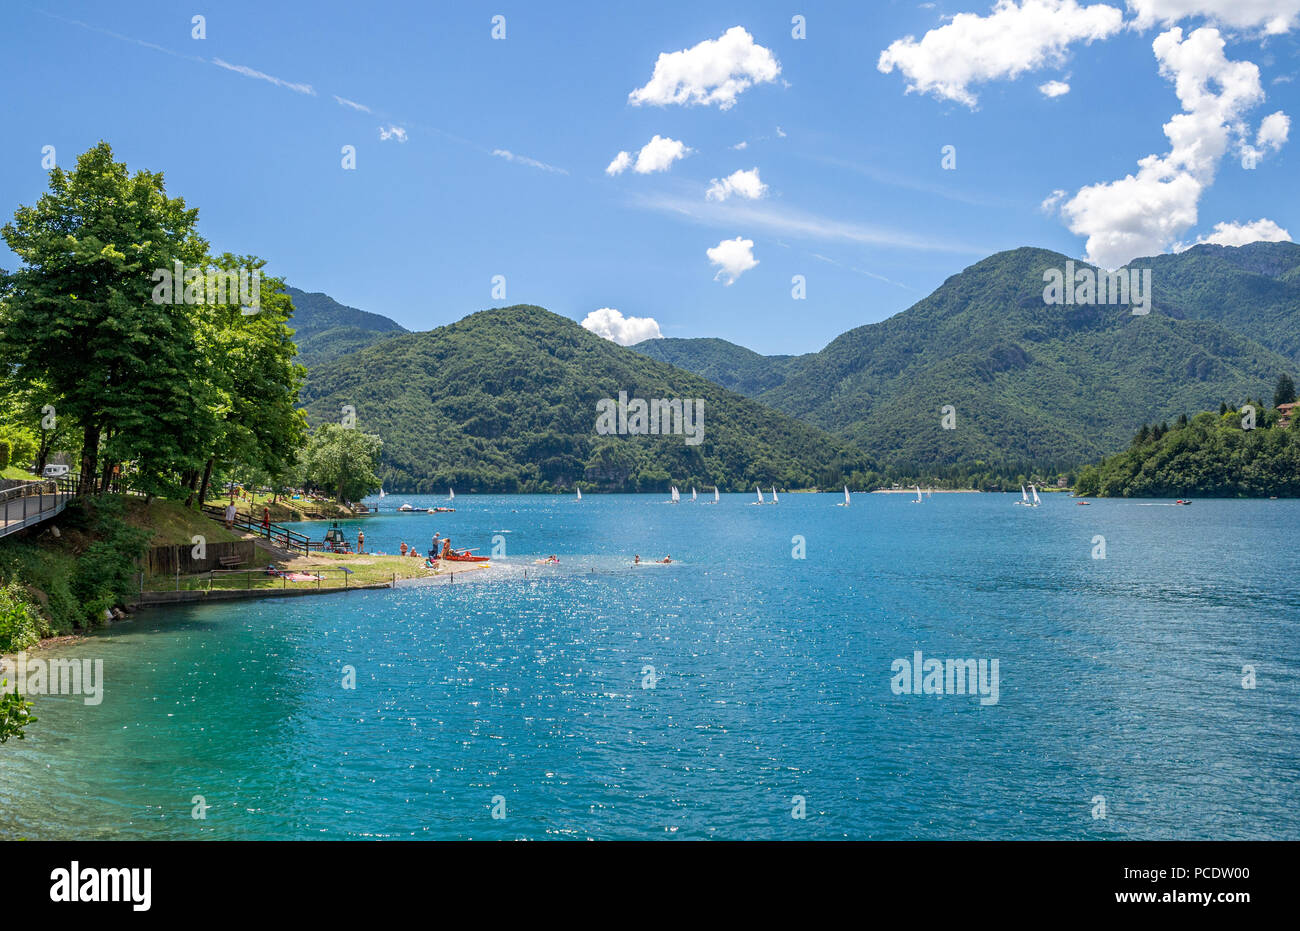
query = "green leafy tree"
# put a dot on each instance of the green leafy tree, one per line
(80, 314)
(342, 461)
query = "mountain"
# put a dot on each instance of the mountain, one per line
(325, 329)
(506, 400)
(733, 367)
(1032, 382)
(1253, 290)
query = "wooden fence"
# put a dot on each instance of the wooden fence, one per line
(168, 560)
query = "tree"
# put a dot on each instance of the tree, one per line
(80, 314)
(1285, 391)
(254, 380)
(342, 460)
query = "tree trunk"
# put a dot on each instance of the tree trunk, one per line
(207, 477)
(89, 460)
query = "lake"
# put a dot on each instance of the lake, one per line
(719, 696)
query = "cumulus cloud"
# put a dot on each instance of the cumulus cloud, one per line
(1239, 234)
(1273, 17)
(1144, 213)
(1273, 131)
(741, 183)
(733, 257)
(656, 155)
(392, 132)
(625, 331)
(619, 165)
(1054, 89)
(716, 71)
(971, 49)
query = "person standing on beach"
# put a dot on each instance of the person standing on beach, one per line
(361, 541)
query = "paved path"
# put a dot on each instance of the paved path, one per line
(17, 513)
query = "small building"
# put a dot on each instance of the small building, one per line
(1286, 410)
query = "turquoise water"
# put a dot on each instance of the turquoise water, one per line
(1118, 678)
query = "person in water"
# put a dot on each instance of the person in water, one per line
(636, 561)
(666, 559)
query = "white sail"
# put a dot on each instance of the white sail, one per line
(1035, 491)
(451, 495)
(692, 492)
(579, 494)
(918, 495)
(775, 499)
(677, 496)
(716, 499)
(381, 492)
(760, 494)
(1024, 495)
(846, 495)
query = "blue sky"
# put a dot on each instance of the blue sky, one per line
(498, 162)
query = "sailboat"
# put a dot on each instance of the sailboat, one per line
(451, 495)
(760, 496)
(692, 494)
(775, 499)
(919, 499)
(929, 492)
(1024, 497)
(579, 494)
(1035, 491)
(716, 499)
(381, 492)
(846, 498)
(675, 495)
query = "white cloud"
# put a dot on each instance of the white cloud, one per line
(351, 104)
(1144, 213)
(1273, 131)
(741, 146)
(1239, 234)
(715, 71)
(1274, 17)
(392, 132)
(1010, 41)
(733, 257)
(619, 164)
(525, 160)
(742, 183)
(1054, 89)
(1052, 201)
(263, 76)
(625, 331)
(659, 154)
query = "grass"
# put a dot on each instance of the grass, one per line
(171, 523)
(283, 510)
(366, 569)
(20, 474)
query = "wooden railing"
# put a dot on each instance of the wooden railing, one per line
(281, 536)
